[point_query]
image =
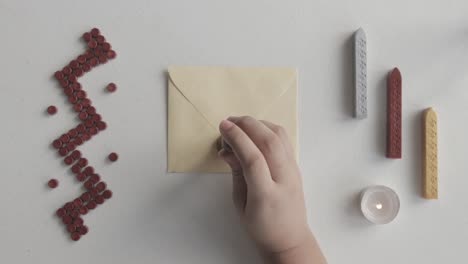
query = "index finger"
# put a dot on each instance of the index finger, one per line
(253, 162)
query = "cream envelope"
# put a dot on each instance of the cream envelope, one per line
(199, 98)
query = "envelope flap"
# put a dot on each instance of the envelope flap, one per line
(219, 92)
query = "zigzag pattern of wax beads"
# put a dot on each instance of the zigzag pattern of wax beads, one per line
(99, 52)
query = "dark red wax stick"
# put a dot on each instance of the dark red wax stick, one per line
(394, 125)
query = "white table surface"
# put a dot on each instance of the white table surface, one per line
(156, 217)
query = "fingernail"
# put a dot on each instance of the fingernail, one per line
(226, 146)
(233, 118)
(225, 125)
(221, 153)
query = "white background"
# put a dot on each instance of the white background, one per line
(156, 217)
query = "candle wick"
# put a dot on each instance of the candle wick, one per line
(378, 206)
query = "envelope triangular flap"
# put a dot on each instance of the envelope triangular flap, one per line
(219, 92)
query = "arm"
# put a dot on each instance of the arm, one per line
(267, 191)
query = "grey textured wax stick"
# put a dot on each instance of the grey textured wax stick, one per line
(360, 74)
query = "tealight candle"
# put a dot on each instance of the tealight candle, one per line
(379, 204)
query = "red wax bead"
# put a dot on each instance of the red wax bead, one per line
(75, 236)
(73, 143)
(83, 230)
(94, 192)
(83, 162)
(100, 39)
(81, 59)
(111, 87)
(91, 110)
(89, 184)
(87, 36)
(58, 75)
(89, 123)
(69, 206)
(99, 199)
(111, 54)
(81, 94)
(78, 72)
(64, 83)
(76, 154)
(66, 219)
(68, 160)
(102, 58)
(95, 178)
(63, 152)
(95, 32)
(64, 138)
(86, 196)
(73, 99)
(113, 156)
(72, 133)
(83, 115)
(96, 118)
(53, 183)
(77, 202)
(52, 110)
(86, 102)
(71, 146)
(89, 54)
(81, 177)
(71, 228)
(101, 186)
(93, 62)
(68, 91)
(83, 210)
(57, 143)
(106, 46)
(74, 214)
(86, 137)
(72, 78)
(60, 212)
(76, 86)
(81, 128)
(86, 67)
(98, 52)
(78, 221)
(76, 169)
(98, 49)
(107, 194)
(74, 64)
(78, 141)
(93, 131)
(92, 44)
(67, 70)
(91, 205)
(101, 125)
(89, 170)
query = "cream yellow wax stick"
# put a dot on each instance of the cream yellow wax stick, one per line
(430, 166)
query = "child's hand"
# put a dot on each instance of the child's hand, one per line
(267, 189)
